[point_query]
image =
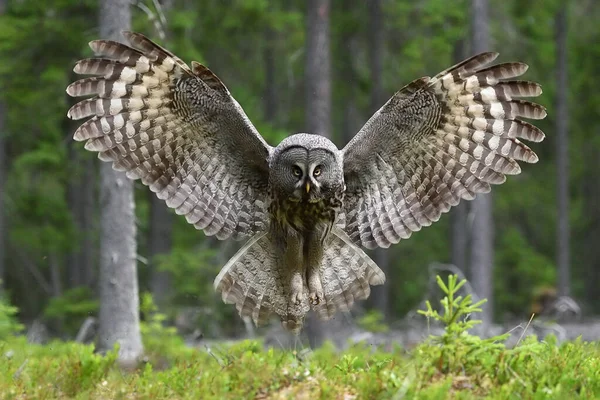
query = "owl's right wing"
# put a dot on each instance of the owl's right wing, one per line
(434, 142)
(178, 130)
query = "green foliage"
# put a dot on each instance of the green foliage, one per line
(72, 307)
(40, 41)
(244, 370)
(455, 365)
(456, 346)
(159, 340)
(373, 321)
(455, 308)
(9, 324)
(56, 370)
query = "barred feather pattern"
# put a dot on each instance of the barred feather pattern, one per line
(178, 130)
(254, 281)
(437, 141)
(347, 275)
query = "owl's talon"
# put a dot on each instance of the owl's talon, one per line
(315, 289)
(315, 299)
(296, 298)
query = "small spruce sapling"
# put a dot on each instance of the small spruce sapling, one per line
(456, 346)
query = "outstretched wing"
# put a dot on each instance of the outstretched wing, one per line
(178, 130)
(434, 142)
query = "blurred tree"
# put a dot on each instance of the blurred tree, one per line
(159, 242)
(376, 47)
(160, 228)
(81, 192)
(482, 239)
(584, 138)
(45, 203)
(317, 75)
(3, 166)
(270, 91)
(119, 301)
(317, 81)
(563, 258)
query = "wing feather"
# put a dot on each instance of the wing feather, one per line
(178, 130)
(436, 141)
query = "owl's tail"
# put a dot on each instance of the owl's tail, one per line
(256, 282)
(347, 274)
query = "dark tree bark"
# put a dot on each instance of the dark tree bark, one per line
(80, 263)
(119, 303)
(563, 258)
(159, 242)
(160, 230)
(3, 166)
(317, 80)
(270, 93)
(317, 74)
(482, 241)
(591, 253)
(380, 294)
(376, 49)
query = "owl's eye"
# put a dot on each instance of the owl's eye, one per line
(317, 171)
(297, 170)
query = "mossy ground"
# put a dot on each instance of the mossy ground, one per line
(465, 369)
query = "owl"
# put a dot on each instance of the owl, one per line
(305, 208)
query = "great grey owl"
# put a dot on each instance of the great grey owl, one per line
(305, 207)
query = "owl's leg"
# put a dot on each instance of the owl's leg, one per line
(295, 269)
(313, 258)
(296, 288)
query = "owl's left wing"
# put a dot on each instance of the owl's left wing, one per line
(437, 140)
(177, 129)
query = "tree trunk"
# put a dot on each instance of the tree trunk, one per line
(270, 93)
(80, 263)
(317, 75)
(562, 156)
(159, 242)
(380, 294)
(317, 80)
(160, 230)
(482, 241)
(3, 166)
(119, 303)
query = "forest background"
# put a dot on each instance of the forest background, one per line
(545, 232)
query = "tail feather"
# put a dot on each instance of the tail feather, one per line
(254, 281)
(347, 274)
(257, 282)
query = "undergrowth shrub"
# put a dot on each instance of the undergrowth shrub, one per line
(455, 364)
(9, 325)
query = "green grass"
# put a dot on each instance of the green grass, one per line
(245, 370)
(454, 365)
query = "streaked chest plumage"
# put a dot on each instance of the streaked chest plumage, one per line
(305, 216)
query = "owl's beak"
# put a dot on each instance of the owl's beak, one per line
(307, 187)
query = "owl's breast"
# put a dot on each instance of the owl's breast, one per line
(305, 216)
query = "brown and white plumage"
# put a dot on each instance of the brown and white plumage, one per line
(178, 130)
(305, 206)
(437, 140)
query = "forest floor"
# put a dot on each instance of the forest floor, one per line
(463, 369)
(452, 365)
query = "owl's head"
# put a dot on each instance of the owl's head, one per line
(306, 167)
